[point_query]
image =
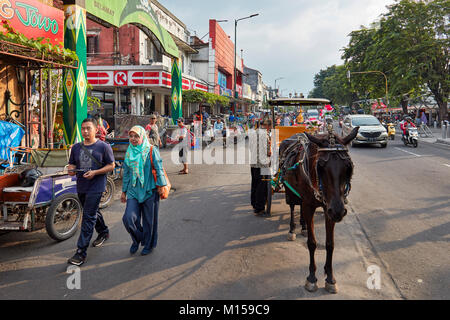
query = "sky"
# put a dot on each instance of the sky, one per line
(292, 39)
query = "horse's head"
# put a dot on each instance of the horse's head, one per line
(334, 171)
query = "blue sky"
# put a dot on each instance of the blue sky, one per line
(293, 39)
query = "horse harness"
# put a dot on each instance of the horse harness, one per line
(303, 142)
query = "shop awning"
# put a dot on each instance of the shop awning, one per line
(136, 12)
(183, 45)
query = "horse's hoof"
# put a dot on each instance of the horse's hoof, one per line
(311, 287)
(304, 233)
(292, 236)
(331, 288)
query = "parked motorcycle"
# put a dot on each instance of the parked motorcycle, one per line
(391, 131)
(412, 138)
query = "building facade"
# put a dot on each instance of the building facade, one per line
(129, 72)
(214, 64)
(253, 78)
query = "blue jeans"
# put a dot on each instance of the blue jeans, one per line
(147, 233)
(92, 218)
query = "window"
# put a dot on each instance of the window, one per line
(152, 52)
(92, 44)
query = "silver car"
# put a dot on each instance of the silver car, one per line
(371, 131)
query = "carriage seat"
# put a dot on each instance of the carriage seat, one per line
(10, 191)
(18, 189)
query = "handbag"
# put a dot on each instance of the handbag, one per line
(168, 186)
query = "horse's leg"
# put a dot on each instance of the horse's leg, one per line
(291, 235)
(303, 223)
(330, 282)
(311, 281)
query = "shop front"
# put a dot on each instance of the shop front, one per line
(136, 90)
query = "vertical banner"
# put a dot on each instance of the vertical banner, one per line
(177, 100)
(75, 81)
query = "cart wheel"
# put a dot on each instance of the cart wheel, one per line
(269, 198)
(108, 195)
(63, 217)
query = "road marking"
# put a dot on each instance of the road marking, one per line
(417, 155)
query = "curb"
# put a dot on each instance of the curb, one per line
(443, 141)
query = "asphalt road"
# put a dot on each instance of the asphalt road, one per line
(212, 246)
(401, 197)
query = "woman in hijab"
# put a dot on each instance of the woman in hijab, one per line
(141, 192)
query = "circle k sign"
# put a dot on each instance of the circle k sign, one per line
(120, 78)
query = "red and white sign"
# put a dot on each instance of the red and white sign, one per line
(139, 78)
(33, 19)
(120, 78)
(100, 78)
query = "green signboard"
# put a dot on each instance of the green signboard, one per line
(177, 97)
(75, 82)
(138, 12)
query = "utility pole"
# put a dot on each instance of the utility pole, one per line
(235, 67)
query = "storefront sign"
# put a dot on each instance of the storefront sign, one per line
(138, 12)
(140, 78)
(34, 19)
(120, 78)
(225, 92)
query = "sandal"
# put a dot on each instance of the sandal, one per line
(182, 172)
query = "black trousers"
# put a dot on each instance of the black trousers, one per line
(259, 189)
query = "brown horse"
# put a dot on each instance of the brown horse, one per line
(317, 172)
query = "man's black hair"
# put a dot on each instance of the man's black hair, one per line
(94, 122)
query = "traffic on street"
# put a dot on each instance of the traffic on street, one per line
(142, 159)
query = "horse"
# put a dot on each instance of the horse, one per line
(317, 172)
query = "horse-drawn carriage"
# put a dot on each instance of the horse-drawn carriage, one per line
(314, 171)
(283, 133)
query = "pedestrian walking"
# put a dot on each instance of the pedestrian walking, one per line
(90, 161)
(423, 118)
(262, 147)
(182, 136)
(152, 132)
(141, 192)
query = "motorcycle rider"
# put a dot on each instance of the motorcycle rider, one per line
(404, 126)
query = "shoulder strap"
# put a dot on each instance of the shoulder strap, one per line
(151, 162)
(90, 154)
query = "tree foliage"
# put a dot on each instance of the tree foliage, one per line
(198, 96)
(332, 84)
(410, 44)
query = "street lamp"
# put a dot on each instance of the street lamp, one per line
(275, 88)
(387, 97)
(235, 46)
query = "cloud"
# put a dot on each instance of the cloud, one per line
(290, 39)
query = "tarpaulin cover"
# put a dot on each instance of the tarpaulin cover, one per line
(124, 122)
(50, 157)
(10, 136)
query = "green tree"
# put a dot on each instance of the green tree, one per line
(410, 44)
(332, 84)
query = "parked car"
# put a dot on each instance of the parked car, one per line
(371, 131)
(312, 114)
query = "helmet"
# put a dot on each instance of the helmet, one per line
(28, 177)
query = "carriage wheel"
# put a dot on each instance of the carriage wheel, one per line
(269, 197)
(108, 195)
(63, 217)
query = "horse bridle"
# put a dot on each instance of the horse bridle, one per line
(332, 148)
